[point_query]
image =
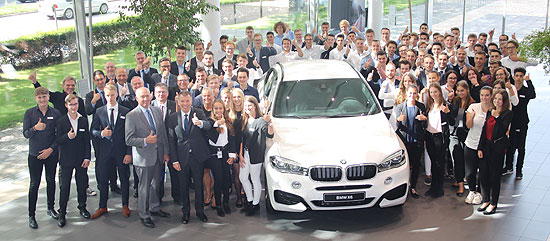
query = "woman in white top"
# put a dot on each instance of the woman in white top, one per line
(437, 137)
(475, 118)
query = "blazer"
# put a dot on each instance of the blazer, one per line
(192, 66)
(73, 152)
(90, 108)
(403, 126)
(147, 80)
(265, 53)
(460, 132)
(116, 145)
(172, 79)
(173, 91)
(58, 100)
(194, 141)
(129, 101)
(499, 131)
(175, 70)
(213, 135)
(254, 140)
(137, 128)
(234, 60)
(170, 108)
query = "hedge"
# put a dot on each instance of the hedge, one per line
(55, 47)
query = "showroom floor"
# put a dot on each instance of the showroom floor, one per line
(523, 213)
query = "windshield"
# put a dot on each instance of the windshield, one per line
(324, 98)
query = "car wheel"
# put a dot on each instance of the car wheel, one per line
(68, 14)
(103, 9)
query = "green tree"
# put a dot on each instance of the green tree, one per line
(537, 45)
(161, 25)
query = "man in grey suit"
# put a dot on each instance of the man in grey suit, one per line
(146, 134)
(165, 76)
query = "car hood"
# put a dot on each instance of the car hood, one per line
(328, 141)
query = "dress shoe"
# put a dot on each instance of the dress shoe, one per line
(185, 219)
(135, 193)
(161, 214)
(90, 192)
(247, 206)
(414, 193)
(490, 212)
(210, 201)
(61, 221)
(437, 194)
(220, 212)
(226, 208)
(239, 204)
(116, 190)
(253, 210)
(32, 222)
(147, 222)
(429, 192)
(125, 211)
(52, 213)
(202, 217)
(84, 213)
(99, 212)
(482, 208)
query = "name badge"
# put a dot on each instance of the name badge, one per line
(444, 123)
(122, 117)
(263, 57)
(49, 117)
(83, 130)
(521, 96)
(219, 153)
(251, 129)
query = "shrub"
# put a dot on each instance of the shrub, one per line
(537, 45)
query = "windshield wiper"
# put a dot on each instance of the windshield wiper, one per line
(291, 116)
(343, 115)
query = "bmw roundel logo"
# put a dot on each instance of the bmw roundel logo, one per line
(343, 161)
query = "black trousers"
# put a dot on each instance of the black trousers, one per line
(414, 150)
(490, 171)
(112, 174)
(113, 162)
(174, 183)
(65, 176)
(471, 164)
(518, 137)
(193, 169)
(457, 152)
(222, 177)
(435, 145)
(35, 171)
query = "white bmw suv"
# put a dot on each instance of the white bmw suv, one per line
(333, 146)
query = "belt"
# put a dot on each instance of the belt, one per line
(435, 134)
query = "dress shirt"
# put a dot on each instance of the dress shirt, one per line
(337, 54)
(119, 87)
(354, 58)
(40, 140)
(314, 52)
(115, 114)
(147, 118)
(74, 122)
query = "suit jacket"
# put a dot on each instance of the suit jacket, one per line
(147, 80)
(73, 152)
(265, 53)
(234, 60)
(499, 131)
(254, 139)
(170, 108)
(129, 101)
(214, 71)
(137, 128)
(90, 108)
(231, 146)
(403, 126)
(194, 141)
(174, 69)
(116, 145)
(172, 79)
(58, 100)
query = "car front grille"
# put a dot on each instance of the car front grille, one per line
(328, 174)
(360, 172)
(321, 203)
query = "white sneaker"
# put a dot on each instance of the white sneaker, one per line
(469, 198)
(90, 192)
(477, 199)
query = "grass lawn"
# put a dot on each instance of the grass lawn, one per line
(223, 2)
(295, 20)
(18, 8)
(400, 4)
(17, 94)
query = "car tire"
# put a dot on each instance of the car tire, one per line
(69, 13)
(104, 8)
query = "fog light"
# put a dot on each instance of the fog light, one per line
(296, 185)
(388, 180)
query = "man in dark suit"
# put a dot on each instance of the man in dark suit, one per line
(189, 150)
(165, 76)
(146, 134)
(73, 139)
(196, 61)
(200, 82)
(178, 67)
(94, 100)
(129, 101)
(229, 54)
(108, 130)
(183, 84)
(143, 70)
(262, 53)
(58, 98)
(208, 62)
(167, 107)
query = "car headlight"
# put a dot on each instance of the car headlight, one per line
(285, 165)
(394, 160)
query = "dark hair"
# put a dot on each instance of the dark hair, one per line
(479, 45)
(492, 44)
(483, 35)
(424, 24)
(199, 69)
(404, 62)
(244, 70)
(181, 47)
(224, 37)
(325, 23)
(496, 50)
(423, 33)
(277, 24)
(472, 35)
(521, 70)
(464, 104)
(164, 59)
(505, 100)
(99, 72)
(381, 52)
(448, 73)
(269, 33)
(285, 39)
(249, 28)
(370, 30)
(208, 52)
(438, 44)
(392, 42)
(384, 28)
(340, 36)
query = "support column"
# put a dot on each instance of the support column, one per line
(84, 55)
(428, 13)
(211, 25)
(375, 15)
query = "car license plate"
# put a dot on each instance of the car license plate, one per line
(344, 197)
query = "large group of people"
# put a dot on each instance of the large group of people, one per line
(459, 107)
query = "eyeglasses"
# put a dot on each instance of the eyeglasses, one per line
(513, 47)
(165, 66)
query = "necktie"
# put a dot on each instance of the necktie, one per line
(151, 123)
(209, 72)
(103, 100)
(112, 119)
(162, 109)
(186, 124)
